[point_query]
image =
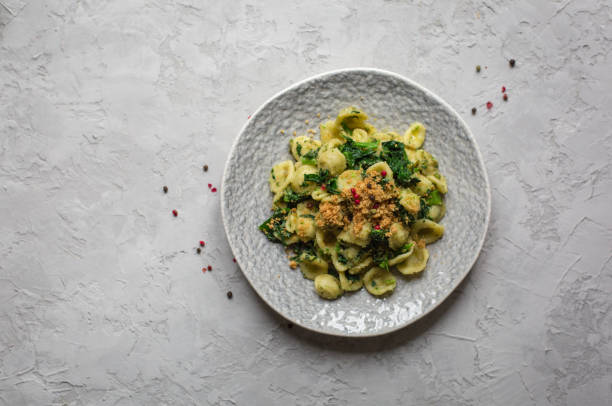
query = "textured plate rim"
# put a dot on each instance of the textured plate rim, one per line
(482, 238)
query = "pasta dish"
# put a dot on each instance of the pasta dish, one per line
(357, 205)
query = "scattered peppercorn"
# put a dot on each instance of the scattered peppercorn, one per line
(473, 111)
(377, 227)
(213, 189)
(505, 96)
(512, 62)
(503, 89)
(175, 213)
(234, 259)
(383, 173)
(203, 269)
(205, 168)
(489, 105)
(229, 294)
(165, 189)
(202, 243)
(209, 268)
(478, 68)
(199, 250)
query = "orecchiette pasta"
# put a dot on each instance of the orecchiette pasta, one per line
(357, 205)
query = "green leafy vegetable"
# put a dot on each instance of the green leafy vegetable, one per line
(303, 252)
(423, 213)
(378, 236)
(323, 178)
(351, 277)
(274, 227)
(394, 155)
(292, 198)
(359, 154)
(310, 158)
(299, 149)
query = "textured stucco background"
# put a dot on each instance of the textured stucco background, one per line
(102, 300)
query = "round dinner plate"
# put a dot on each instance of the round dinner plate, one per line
(391, 101)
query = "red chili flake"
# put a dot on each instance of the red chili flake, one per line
(174, 213)
(322, 187)
(203, 269)
(213, 189)
(209, 268)
(357, 201)
(209, 185)
(234, 259)
(489, 105)
(505, 96)
(202, 243)
(503, 89)
(383, 173)
(377, 227)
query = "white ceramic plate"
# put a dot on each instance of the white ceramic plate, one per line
(395, 102)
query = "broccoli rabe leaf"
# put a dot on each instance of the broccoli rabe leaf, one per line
(292, 198)
(394, 155)
(325, 179)
(274, 227)
(310, 158)
(359, 154)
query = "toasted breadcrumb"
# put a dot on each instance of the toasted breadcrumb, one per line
(331, 214)
(376, 203)
(293, 264)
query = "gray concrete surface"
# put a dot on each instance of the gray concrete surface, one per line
(102, 300)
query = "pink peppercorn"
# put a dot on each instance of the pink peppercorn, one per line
(383, 173)
(202, 243)
(213, 189)
(489, 105)
(175, 213)
(377, 227)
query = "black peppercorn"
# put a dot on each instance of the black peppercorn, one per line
(229, 294)
(205, 168)
(165, 189)
(512, 62)
(473, 111)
